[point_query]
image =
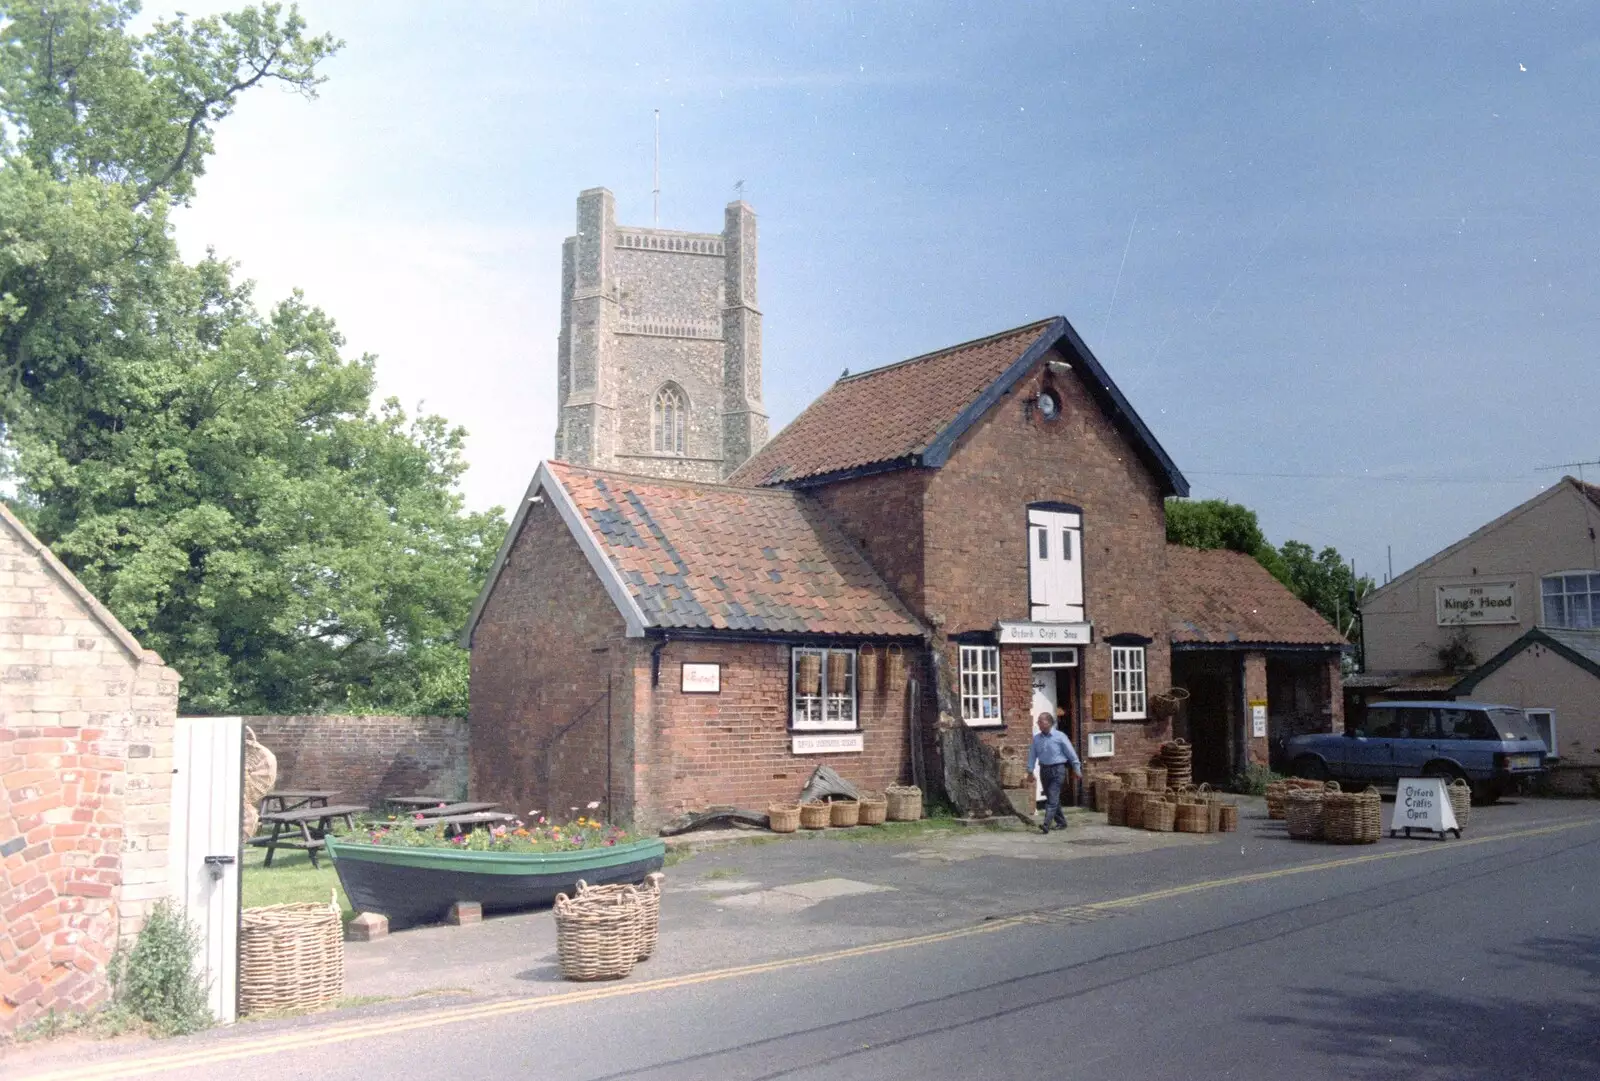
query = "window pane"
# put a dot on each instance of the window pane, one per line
(1551, 586)
(1066, 544)
(1578, 614)
(1554, 612)
(1044, 543)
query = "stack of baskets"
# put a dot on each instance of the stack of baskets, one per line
(1178, 758)
(605, 930)
(1190, 810)
(1460, 800)
(1278, 793)
(905, 800)
(870, 810)
(1352, 818)
(291, 957)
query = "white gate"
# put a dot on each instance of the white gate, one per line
(205, 848)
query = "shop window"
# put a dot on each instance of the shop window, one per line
(1571, 600)
(1127, 683)
(824, 682)
(980, 685)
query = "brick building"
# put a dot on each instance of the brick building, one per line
(987, 520)
(86, 724)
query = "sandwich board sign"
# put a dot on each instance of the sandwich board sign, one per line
(1423, 804)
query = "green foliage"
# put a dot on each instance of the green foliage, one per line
(1253, 779)
(218, 477)
(157, 981)
(1322, 580)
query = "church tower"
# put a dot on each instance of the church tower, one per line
(659, 354)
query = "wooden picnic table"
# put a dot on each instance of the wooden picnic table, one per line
(311, 838)
(463, 808)
(415, 802)
(291, 799)
(464, 823)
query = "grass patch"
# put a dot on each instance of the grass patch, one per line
(722, 872)
(290, 879)
(895, 831)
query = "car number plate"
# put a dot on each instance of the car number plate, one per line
(1524, 761)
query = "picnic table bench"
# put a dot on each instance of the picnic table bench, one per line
(463, 808)
(464, 823)
(291, 799)
(413, 803)
(311, 839)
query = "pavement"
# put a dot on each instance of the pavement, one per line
(1097, 952)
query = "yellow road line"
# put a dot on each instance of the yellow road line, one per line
(324, 1036)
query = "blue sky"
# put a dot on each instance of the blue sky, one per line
(1341, 257)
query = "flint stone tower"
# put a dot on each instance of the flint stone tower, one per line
(659, 355)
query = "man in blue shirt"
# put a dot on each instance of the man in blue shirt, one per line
(1052, 752)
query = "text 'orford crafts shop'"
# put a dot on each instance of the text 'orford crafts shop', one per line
(663, 645)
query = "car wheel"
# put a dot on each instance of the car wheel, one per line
(1444, 771)
(1310, 767)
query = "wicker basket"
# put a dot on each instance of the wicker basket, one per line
(597, 937)
(1191, 818)
(1155, 778)
(905, 800)
(1013, 770)
(1178, 757)
(1277, 795)
(1304, 814)
(1132, 778)
(808, 674)
(1228, 820)
(1352, 818)
(1160, 815)
(874, 809)
(1100, 791)
(1460, 800)
(291, 957)
(867, 669)
(648, 913)
(839, 664)
(1133, 807)
(844, 812)
(783, 817)
(815, 815)
(1116, 806)
(1213, 816)
(894, 670)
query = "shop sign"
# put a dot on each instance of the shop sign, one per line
(701, 678)
(1479, 602)
(836, 743)
(1423, 804)
(1053, 634)
(1258, 719)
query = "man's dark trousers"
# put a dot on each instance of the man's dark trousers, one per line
(1053, 777)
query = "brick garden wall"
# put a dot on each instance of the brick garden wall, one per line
(86, 725)
(368, 758)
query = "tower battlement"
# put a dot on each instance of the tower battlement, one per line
(659, 353)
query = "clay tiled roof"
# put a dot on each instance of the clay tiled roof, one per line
(912, 413)
(889, 413)
(738, 559)
(1224, 598)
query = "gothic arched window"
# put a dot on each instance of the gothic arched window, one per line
(669, 421)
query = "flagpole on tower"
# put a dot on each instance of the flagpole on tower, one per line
(656, 217)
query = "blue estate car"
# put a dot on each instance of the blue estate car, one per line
(1493, 747)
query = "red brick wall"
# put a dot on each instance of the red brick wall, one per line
(86, 724)
(1255, 690)
(883, 515)
(976, 543)
(368, 758)
(734, 747)
(547, 645)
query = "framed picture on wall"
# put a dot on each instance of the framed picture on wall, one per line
(1102, 744)
(701, 678)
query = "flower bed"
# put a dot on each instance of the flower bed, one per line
(585, 834)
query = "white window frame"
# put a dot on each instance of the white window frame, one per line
(1128, 701)
(824, 712)
(1566, 622)
(980, 686)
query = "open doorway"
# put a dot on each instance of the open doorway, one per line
(1213, 712)
(1055, 691)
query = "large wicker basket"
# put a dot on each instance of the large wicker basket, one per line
(597, 937)
(1155, 778)
(1132, 778)
(874, 809)
(1277, 799)
(815, 815)
(1352, 818)
(1304, 813)
(1100, 790)
(1228, 819)
(844, 812)
(1116, 806)
(291, 957)
(905, 800)
(1133, 807)
(1160, 815)
(1191, 817)
(1460, 800)
(649, 908)
(783, 817)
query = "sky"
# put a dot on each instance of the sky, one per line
(1341, 257)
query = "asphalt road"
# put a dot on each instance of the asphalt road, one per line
(1461, 960)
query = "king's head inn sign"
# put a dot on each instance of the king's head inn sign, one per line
(1477, 602)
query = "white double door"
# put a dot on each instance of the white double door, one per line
(1044, 701)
